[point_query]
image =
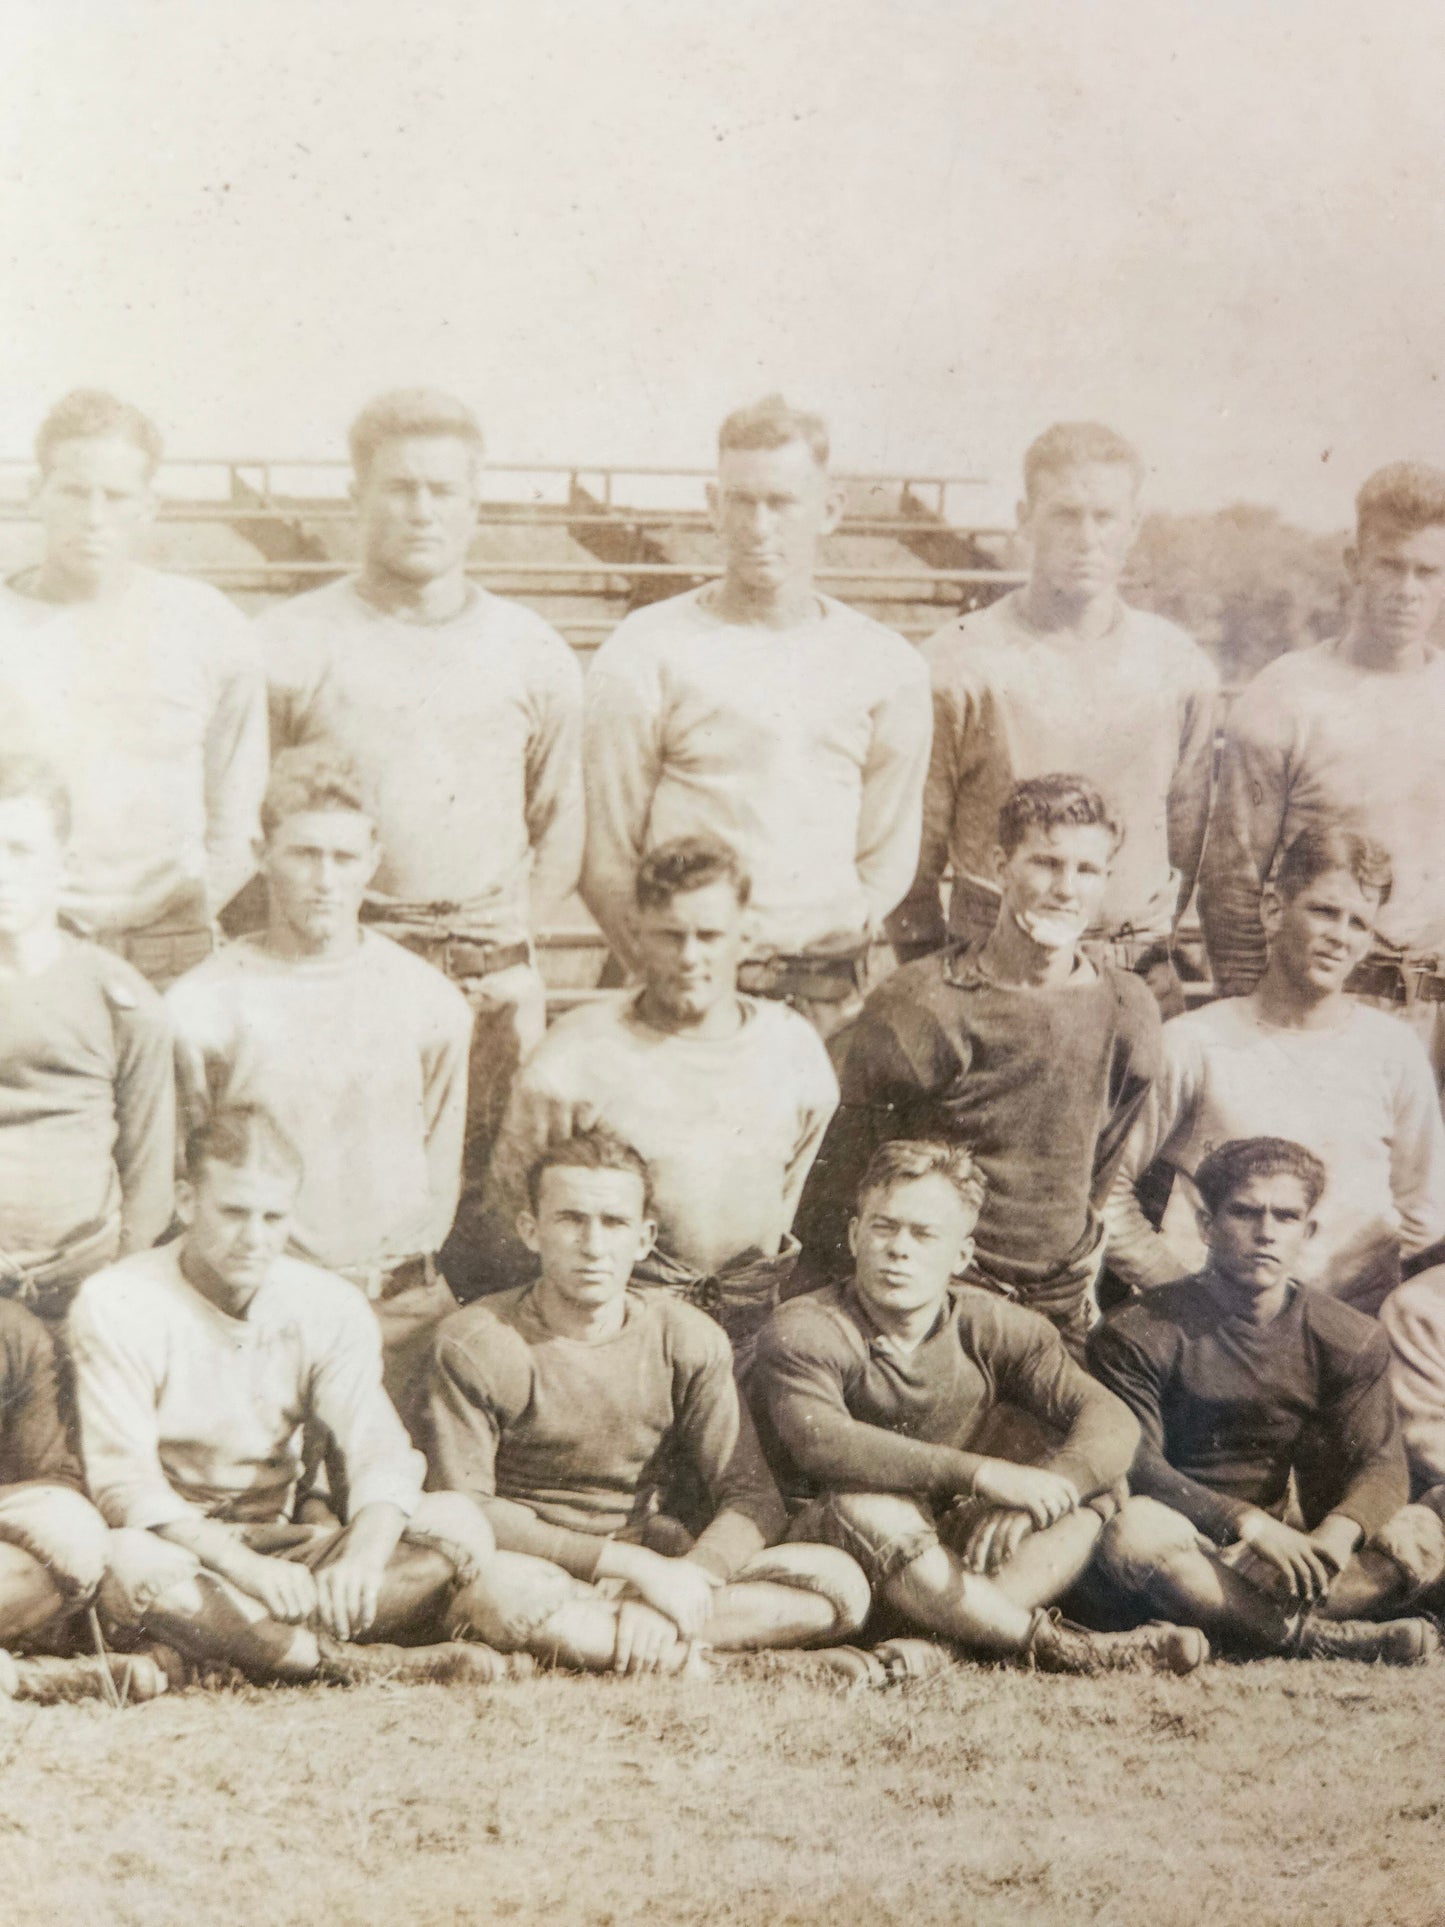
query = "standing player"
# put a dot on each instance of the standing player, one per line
(143, 688)
(461, 714)
(725, 1097)
(760, 712)
(1349, 732)
(1063, 674)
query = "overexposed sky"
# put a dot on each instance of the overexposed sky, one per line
(1218, 225)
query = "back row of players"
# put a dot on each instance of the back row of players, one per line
(756, 764)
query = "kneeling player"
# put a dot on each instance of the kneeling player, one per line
(599, 1429)
(1240, 1378)
(877, 1397)
(199, 1366)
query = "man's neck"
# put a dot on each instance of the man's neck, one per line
(1068, 618)
(1243, 1301)
(786, 607)
(49, 582)
(26, 953)
(722, 1019)
(440, 599)
(905, 1329)
(1292, 1006)
(283, 940)
(1366, 650)
(1010, 956)
(584, 1324)
(204, 1281)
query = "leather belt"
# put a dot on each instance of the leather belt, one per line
(819, 980)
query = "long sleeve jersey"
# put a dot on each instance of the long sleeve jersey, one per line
(1228, 1409)
(87, 1111)
(467, 734)
(34, 1443)
(1041, 1083)
(564, 1443)
(152, 704)
(840, 1407)
(1413, 1318)
(1133, 712)
(803, 748)
(1312, 743)
(1361, 1096)
(187, 1411)
(728, 1126)
(363, 1061)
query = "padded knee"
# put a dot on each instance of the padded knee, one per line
(825, 1570)
(1142, 1536)
(453, 1525)
(62, 1531)
(507, 1604)
(1414, 1539)
(882, 1531)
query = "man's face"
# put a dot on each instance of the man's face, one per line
(1400, 585)
(1053, 883)
(589, 1230)
(1081, 524)
(1319, 935)
(416, 506)
(237, 1220)
(908, 1241)
(94, 502)
(771, 507)
(32, 866)
(1256, 1237)
(690, 949)
(317, 865)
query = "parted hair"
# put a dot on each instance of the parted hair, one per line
(1400, 499)
(31, 776)
(905, 1159)
(410, 411)
(596, 1149)
(689, 863)
(1053, 802)
(1234, 1164)
(317, 776)
(1072, 445)
(238, 1135)
(1315, 853)
(773, 423)
(88, 412)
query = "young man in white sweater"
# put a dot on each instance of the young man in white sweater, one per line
(725, 1096)
(760, 712)
(143, 688)
(357, 1047)
(1302, 1059)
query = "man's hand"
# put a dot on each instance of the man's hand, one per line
(287, 1591)
(1044, 1496)
(996, 1538)
(1294, 1567)
(677, 1588)
(646, 1639)
(348, 1593)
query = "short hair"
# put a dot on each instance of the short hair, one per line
(772, 423)
(238, 1135)
(86, 413)
(597, 1149)
(1401, 499)
(1315, 853)
(689, 863)
(31, 776)
(903, 1160)
(1232, 1165)
(1073, 445)
(317, 776)
(1053, 802)
(411, 411)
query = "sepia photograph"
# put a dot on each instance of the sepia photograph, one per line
(722, 964)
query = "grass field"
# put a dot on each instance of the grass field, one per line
(1244, 1797)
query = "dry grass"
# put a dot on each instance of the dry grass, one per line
(1247, 1797)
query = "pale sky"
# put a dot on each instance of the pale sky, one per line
(1219, 226)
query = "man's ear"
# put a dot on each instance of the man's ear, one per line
(834, 503)
(965, 1257)
(998, 858)
(185, 1201)
(1352, 566)
(853, 1237)
(527, 1230)
(376, 853)
(1271, 910)
(712, 502)
(1312, 1225)
(1204, 1218)
(646, 1239)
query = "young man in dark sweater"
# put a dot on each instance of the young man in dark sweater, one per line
(1018, 1048)
(878, 1403)
(1242, 1382)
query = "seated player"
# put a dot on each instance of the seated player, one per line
(87, 1109)
(53, 1542)
(725, 1097)
(599, 1429)
(1243, 1380)
(1019, 1048)
(354, 1045)
(1413, 1317)
(878, 1401)
(199, 1366)
(1298, 1058)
